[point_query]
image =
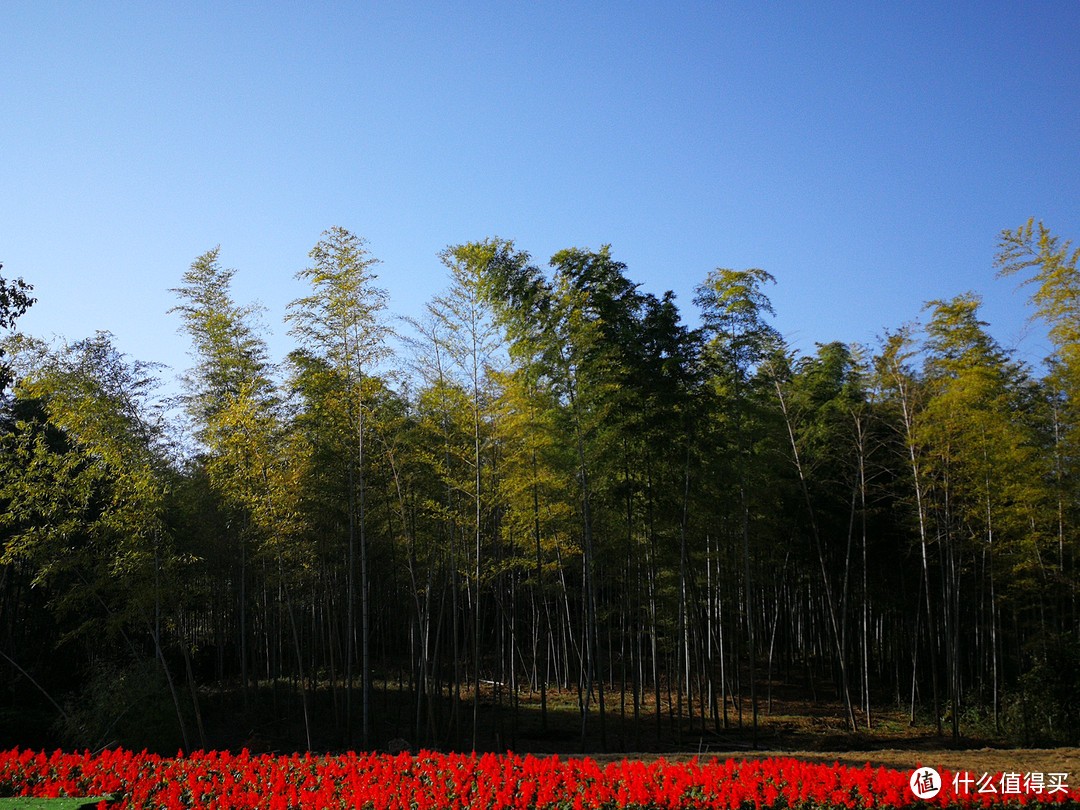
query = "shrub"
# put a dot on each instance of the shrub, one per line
(1044, 708)
(127, 706)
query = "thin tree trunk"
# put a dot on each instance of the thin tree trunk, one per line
(831, 609)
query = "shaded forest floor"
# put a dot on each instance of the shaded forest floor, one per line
(795, 725)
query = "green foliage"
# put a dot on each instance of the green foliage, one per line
(85, 481)
(121, 705)
(340, 322)
(1056, 279)
(571, 483)
(14, 301)
(1044, 707)
(230, 354)
(978, 437)
(733, 307)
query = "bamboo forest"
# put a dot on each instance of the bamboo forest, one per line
(546, 512)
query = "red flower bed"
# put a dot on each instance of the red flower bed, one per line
(428, 781)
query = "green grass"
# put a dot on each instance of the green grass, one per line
(66, 803)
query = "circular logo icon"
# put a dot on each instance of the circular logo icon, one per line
(925, 783)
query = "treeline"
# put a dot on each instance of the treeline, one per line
(548, 483)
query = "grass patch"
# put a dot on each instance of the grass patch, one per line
(64, 803)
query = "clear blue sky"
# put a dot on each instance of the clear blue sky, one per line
(866, 154)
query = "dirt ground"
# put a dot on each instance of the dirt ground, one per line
(1020, 760)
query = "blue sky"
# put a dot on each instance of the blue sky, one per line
(866, 154)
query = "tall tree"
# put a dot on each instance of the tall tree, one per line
(1050, 267)
(471, 341)
(442, 424)
(733, 307)
(816, 401)
(535, 478)
(979, 456)
(593, 317)
(905, 395)
(233, 401)
(341, 324)
(576, 328)
(116, 472)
